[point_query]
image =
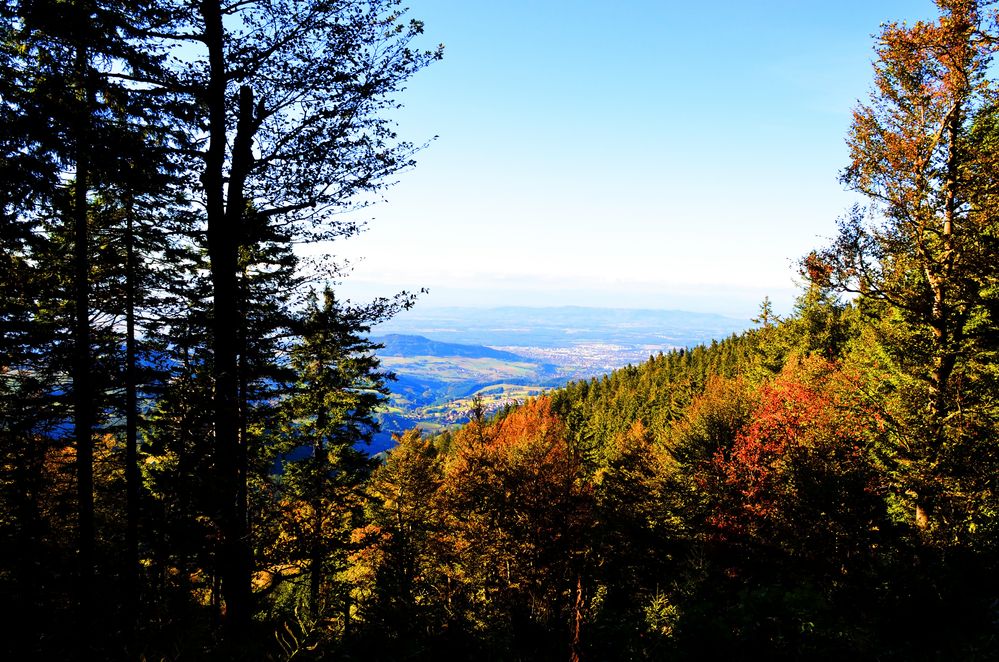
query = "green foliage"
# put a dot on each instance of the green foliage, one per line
(329, 412)
(119, 146)
(922, 254)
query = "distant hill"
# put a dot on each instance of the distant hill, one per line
(406, 345)
(430, 374)
(562, 327)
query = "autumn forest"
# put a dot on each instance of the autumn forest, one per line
(185, 398)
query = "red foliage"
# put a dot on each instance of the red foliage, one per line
(796, 464)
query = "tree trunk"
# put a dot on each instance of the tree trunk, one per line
(922, 517)
(316, 562)
(319, 462)
(223, 247)
(945, 332)
(131, 571)
(575, 647)
(82, 382)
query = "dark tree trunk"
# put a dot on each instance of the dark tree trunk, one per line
(82, 382)
(575, 647)
(316, 562)
(131, 571)
(946, 320)
(225, 210)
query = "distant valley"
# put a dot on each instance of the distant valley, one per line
(443, 357)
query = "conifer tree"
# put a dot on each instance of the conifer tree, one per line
(66, 98)
(330, 415)
(284, 120)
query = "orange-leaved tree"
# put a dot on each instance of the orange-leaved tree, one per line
(518, 510)
(922, 256)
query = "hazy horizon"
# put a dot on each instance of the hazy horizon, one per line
(740, 303)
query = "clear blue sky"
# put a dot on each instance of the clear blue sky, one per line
(626, 154)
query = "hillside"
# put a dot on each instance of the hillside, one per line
(743, 499)
(530, 350)
(431, 373)
(433, 381)
(402, 345)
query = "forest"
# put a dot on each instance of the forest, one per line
(184, 397)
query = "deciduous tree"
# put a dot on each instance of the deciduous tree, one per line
(922, 255)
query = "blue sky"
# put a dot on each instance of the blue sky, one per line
(628, 154)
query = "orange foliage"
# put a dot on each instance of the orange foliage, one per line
(517, 507)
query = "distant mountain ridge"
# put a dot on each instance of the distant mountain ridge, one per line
(560, 327)
(397, 344)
